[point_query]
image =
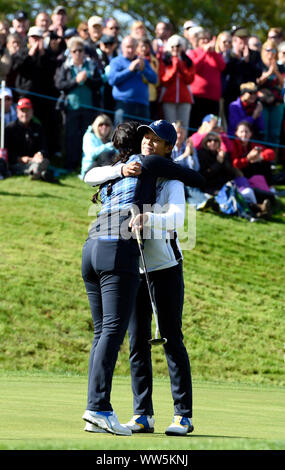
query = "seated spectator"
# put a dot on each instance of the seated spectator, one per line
(144, 50)
(129, 76)
(97, 147)
(211, 123)
(10, 109)
(25, 142)
(184, 151)
(176, 72)
(250, 158)
(207, 84)
(215, 164)
(247, 108)
(270, 86)
(81, 81)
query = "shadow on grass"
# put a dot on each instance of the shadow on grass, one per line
(39, 196)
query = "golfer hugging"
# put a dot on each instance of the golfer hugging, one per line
(132, 268)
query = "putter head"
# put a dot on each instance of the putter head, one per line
(156, 341)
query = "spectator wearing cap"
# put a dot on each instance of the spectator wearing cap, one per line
(95, 31)
(35, 67)
(163, 31)
(25, 142)
(128, 76)
(20, 25)
(207, 84)
(80, 80)
(244, 65)
(270, 86)
(190, 31)
(247, 108)
(59, 20)
(176, 72)
(10, 109)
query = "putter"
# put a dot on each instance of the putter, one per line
(157, 338)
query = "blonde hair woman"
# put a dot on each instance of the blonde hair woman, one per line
(270, 85)
(97, 147)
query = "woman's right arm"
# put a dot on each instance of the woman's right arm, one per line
(163, 167)
(101, 174)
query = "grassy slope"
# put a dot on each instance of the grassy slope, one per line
(234, 305)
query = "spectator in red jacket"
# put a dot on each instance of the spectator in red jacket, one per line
(207, 84)
(250, 158)
(176, 72)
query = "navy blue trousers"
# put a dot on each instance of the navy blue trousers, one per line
(168, 289)
(112, 297)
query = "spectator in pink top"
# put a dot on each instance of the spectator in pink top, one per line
(207, 84)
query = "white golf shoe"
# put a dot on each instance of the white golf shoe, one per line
(92, 428)
(180, 426)
(141, 423)
(106, 420)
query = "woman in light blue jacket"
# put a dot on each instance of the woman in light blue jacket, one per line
(97, 147)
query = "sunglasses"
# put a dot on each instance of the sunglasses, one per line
(104, 124)
(227, 40)
(270, 50)
(114, 27)
(213, 140)
(77, 50)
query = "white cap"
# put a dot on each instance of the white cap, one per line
(175, 40)
(95, 20)
(189, 24)
(195, 30)
(6, 92)
(36, 31)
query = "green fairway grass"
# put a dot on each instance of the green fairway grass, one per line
(233, 320)
(44, 412)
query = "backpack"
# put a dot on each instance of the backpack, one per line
(231, 201)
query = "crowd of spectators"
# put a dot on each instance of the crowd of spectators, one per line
(79, 82)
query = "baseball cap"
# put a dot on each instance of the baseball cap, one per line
(189, 24)
(106, 39)
(21, 15)
(6, 92)
(209, 118)
(162, 129)
(69, 32)
(58, 9)
(24, 103)
(240, 32)
(95, 20)
(36, 31)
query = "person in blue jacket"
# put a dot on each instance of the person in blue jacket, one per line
(130, 76)
(97, 147)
